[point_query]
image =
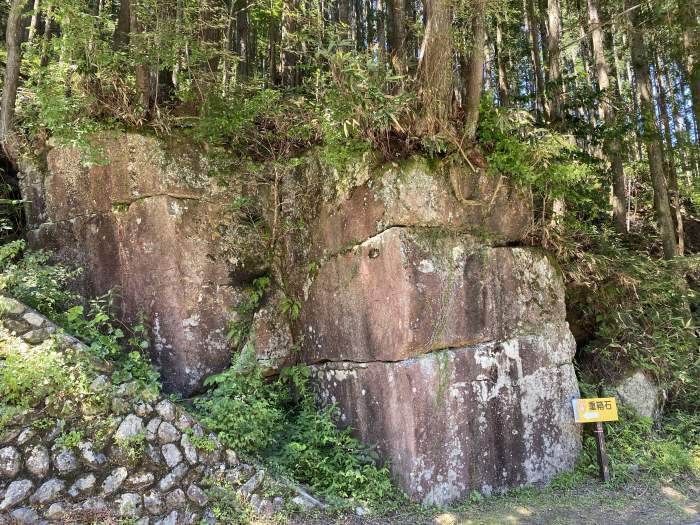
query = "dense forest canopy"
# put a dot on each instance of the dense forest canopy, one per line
(617, 81)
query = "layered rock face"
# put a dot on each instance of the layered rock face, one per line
(443, 342)
(145, 224)
(442, 345)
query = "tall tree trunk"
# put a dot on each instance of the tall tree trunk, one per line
(273, 37)
(651, 137)
(535, 50)
(243, 38)
(35, 20)
(143, 80)
(13, 36)
(380, 17)
(48, 20)
(554, 59)
(475, 69)
(503, 89)
(397, 33)
(435, 67)
(360, 22)
(288, 59)
(121, 31)
(344, 12)
(369, 23)
(612, 146)
(691, 42)
(670, 164)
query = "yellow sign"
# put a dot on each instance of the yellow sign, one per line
(594, 409)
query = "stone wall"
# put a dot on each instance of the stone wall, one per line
(150, 467)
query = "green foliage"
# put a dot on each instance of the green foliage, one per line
(362, 101)
(36, 282)
(31, 376)
(279, 422)
(291, 308)
(246, 413)
(132, 447)
(637, 447)
(641, 312)
(240, 327)
(33, 280)
(69, 439)
(28, 377)
(203, 443)
(544, 161)
(228, 506)
(113, 341)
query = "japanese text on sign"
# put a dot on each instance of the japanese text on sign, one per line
(595, 409)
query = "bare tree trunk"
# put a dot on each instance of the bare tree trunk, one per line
(369, 20)
(35, 20)
(289, 57)
(13, 35)
(381, 29)
(435, 67)
(243, 39)
(48, 20)
(397, 34)
(361, 24)
(143, 81)
(534, 48)
(503, 89)
(651, 137)
(121, 32)
(273, 40)
(344, 12)
(612, 146)
(670, 163)
(691, 40)
(554, 58)
(475, 70)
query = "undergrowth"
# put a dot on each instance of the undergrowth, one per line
(279, 423)
(31, 278)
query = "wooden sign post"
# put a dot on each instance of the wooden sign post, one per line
(597, 410)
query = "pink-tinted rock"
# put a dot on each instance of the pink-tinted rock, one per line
(146, 225)
(486, 417)
(406, 292)
(271, 335)
(417, 194)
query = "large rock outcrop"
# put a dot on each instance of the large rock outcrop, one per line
(444, 346)
(443, 342)
(145, 223)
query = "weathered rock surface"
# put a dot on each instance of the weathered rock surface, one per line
(443, 343)
(639, 392)
(403, 293)
(485, 417)
(143, 222)
(442, 347)
(416, 194)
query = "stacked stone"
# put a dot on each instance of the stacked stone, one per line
(42, 481)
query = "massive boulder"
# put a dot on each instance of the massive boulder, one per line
(146, 224)
(442, 344)
(441, 338)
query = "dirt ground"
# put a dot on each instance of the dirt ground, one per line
(588, 504)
